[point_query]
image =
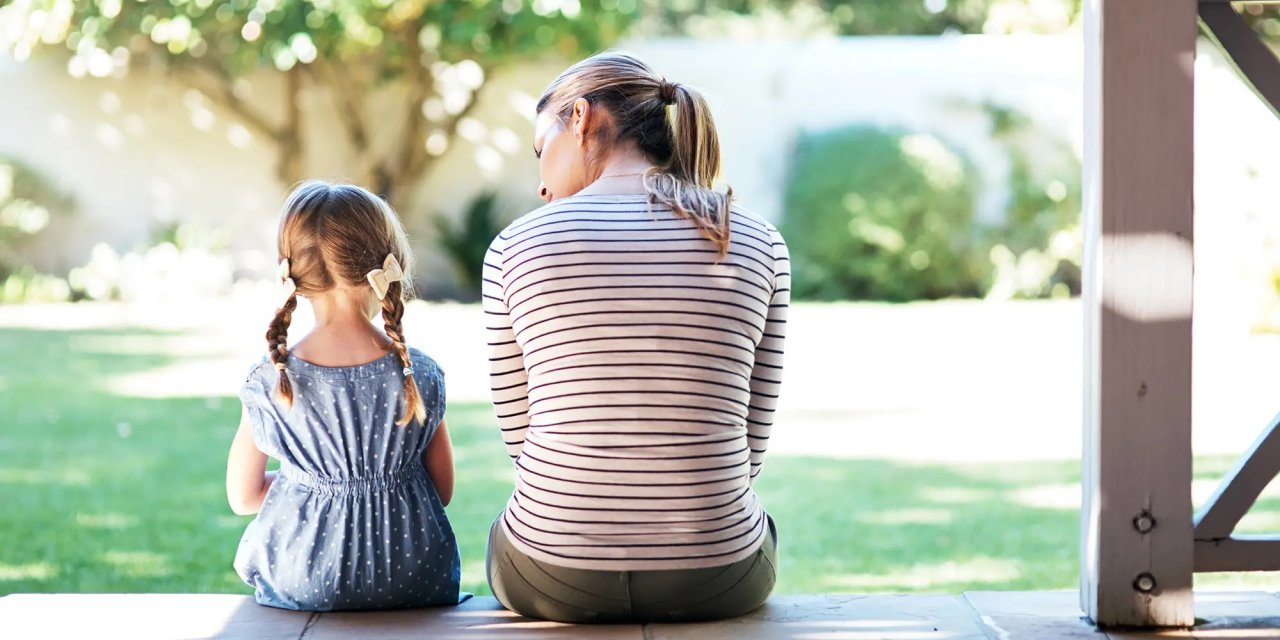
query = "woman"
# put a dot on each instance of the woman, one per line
(636, 324)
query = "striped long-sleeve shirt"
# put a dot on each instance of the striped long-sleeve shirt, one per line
(635, 374)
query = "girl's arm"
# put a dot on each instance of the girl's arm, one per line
(247, 475)
(438, 458)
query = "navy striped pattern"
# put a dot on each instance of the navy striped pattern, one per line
(635, 375)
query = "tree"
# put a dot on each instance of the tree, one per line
(429, 59)
(859, 17)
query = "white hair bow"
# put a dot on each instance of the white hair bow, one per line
(287, 286)
(381, 279)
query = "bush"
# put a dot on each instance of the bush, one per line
(1037, 252)
(28, 203)
(874, 214)
(466, 242)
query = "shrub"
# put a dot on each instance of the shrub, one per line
(873, 214)
(1037, 251)
(466, 242)
(28, 203)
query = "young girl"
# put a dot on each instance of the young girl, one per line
(354, 518)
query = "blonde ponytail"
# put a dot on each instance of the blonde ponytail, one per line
(670, 123)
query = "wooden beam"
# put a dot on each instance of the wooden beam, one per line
(1238, 553)
(1244, 49)
(1241, 486)
(1137, 552)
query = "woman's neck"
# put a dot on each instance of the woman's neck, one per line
(622, 173)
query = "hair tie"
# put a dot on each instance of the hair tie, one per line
(287, 286)
(667, 91)
(408, 371)
(279, 366)
(381, 279)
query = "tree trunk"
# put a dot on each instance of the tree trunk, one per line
(291, 163)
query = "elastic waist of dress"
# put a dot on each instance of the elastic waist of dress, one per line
(344, 486)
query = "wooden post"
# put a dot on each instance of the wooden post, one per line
(1136, 537)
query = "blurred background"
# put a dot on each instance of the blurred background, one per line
(922, 158)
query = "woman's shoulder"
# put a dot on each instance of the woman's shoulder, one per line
(525, 220)
(751, 219)
(569, 206)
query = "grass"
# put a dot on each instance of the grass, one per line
(104, 492)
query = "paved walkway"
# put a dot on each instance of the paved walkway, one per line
(972, 616)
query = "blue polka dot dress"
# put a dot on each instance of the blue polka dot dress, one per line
(352, 520)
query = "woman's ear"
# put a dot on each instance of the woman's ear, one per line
(581, 118)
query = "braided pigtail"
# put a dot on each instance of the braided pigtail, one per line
(277, 343)
(392, 313)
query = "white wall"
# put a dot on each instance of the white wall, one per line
(141, 150)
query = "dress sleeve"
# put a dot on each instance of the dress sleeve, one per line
(431, 385)
(256, 396)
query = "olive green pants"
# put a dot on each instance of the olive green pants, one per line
(539, 590)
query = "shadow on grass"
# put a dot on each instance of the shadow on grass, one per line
(104, 493)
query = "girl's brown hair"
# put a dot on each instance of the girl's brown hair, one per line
(333, 235)
(669, 123)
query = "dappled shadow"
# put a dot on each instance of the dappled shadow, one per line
(877, 526)
(104, 493)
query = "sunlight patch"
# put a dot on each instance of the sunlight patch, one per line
(984, 570)
(105, 520)
(475, 568)
(71, 477)
(232, 522)
(139, 563)
(36, 571)
(1048, 496)
(145, 345)
(183, 379)
(956, 495)
(908, 516)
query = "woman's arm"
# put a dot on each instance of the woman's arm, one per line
(247, 475)
(508, 379)
(438, 458)
(766, 376)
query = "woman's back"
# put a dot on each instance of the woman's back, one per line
(635, 373)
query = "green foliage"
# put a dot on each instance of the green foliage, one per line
(863, 17)
(239, 36)
(1037, 251)
(1265, 20)
(466, 242)
(872, 214)
(440, 54)
(28, 203)
(28, 285)
(884, 215)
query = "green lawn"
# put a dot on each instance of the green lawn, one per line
(100, 492)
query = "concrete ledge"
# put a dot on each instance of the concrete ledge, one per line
(973, 616)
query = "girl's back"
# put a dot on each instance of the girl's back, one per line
(352, 521)
(354, 518)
